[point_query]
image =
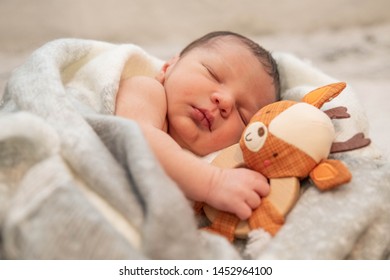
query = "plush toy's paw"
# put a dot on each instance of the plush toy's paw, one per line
(266, 217)
(224, 224)
(329, 174)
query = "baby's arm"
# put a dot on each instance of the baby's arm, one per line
(236, 191)
(233, 190)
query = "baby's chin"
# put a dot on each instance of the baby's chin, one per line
(206, 150)
(196, 140)
(205, 144)
(196, 149)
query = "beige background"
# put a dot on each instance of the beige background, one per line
(349, 39)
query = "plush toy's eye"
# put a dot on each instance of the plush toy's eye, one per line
(255, 135)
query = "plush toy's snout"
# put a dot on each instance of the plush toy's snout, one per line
(267, 163)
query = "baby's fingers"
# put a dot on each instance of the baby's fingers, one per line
(243, 211)
(253, 200)
(262, 186)
(255, 181)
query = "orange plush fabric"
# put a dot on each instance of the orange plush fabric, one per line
(225, 224)
(266, 217)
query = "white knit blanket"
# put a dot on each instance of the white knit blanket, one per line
(77, 182)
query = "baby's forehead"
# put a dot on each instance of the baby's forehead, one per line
(222, 41)
(225, 47)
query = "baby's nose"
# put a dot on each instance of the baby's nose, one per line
(224, 103)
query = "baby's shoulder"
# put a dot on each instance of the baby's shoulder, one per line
(142, 88)
(143, 99)
(141, 84)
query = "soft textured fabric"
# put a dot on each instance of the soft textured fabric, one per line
(77, 182)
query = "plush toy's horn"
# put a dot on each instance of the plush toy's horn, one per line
(338, 113)
(356, 142)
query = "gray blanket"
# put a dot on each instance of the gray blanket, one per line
(77, 182)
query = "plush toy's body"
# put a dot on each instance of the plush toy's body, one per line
(287, 141)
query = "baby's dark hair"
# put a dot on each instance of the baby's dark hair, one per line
(264, 56)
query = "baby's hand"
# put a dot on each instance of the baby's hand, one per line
(237, 191)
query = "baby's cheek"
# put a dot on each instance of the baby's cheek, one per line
(233, 135)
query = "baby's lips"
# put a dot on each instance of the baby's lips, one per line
(203, 117)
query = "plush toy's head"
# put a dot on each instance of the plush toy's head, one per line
(287, 139)
(294, 139)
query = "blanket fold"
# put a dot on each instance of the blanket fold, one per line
(77, 182)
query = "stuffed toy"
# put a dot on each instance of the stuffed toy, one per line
(286, 141)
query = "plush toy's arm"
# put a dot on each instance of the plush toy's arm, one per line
(329, 174)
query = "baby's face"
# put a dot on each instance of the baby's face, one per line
(212, 93)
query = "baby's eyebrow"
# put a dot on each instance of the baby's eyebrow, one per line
(211, 71)
(219, 61)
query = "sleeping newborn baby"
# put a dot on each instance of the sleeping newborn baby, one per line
(199, 103)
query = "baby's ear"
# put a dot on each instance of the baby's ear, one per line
(161, 75)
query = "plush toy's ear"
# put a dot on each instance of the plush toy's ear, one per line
(330, 173)
(323, 94)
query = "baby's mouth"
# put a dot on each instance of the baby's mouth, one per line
(203, 117)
